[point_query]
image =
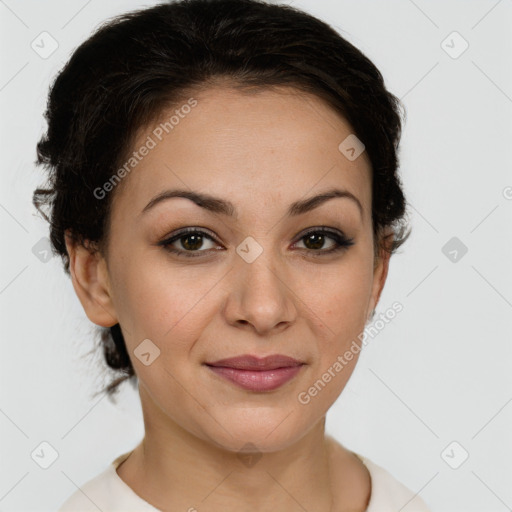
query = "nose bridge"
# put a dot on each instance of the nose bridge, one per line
(258, 264)
(262, 297)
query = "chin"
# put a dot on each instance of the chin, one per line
(256, 430)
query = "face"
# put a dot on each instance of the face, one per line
(250, 277)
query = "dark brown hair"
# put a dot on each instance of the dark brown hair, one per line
(138, 64)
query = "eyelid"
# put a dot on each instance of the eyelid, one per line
(188, 230)
(326, 229)
(191, 229)
(342, 241)
(302, 234)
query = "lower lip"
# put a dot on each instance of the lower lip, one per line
(257, 380)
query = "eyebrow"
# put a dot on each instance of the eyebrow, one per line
(225, 207)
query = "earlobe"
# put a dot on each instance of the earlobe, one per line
(90, 279)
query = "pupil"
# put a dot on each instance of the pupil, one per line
(319, 241)
(198, 240)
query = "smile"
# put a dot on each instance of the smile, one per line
(257, 374)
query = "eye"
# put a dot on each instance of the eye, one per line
(190, 240)
(315, 239)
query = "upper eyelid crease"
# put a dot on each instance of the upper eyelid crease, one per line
(337, 235)
(224, 207)
(206, 232)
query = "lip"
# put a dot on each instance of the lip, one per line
(257, 374)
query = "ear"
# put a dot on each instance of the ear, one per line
(89, 275)
(381, 268)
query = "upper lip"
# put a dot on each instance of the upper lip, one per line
(249, 362)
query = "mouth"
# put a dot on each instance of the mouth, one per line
(257, 374)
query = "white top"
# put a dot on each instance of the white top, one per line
(109, 493)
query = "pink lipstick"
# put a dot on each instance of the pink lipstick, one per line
(257, 374)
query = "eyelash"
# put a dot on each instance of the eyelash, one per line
(342, 242)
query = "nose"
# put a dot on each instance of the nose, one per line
(260, 297)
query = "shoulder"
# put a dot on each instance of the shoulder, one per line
(89, 496)
(388, 494)
(106, 491)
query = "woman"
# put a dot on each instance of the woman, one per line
(225, 198)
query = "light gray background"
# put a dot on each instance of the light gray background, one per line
(438, 373)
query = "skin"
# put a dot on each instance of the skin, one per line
(262, 151)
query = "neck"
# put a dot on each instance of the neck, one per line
(175, 470)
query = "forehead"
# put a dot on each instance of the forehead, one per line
(268, 147)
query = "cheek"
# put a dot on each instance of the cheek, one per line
(154, 302)
(344, 302)
(341, 299)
